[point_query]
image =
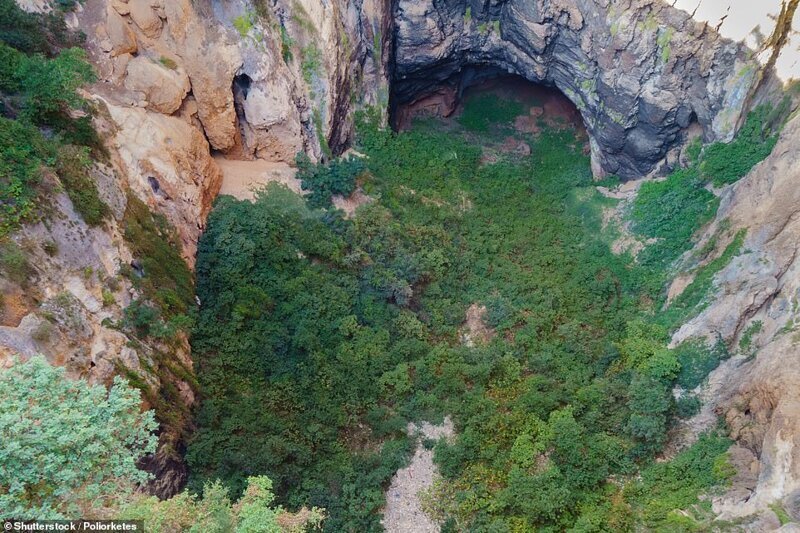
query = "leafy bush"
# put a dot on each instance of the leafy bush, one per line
(22, 150)
(697, 360)
(13, 263)
(671, 211)
(320, 337)
(49, 85)
(69, 448)
(161, 274)
(335, 177)
(254, 512)
(72, 166)
(725, 163)
(666, 488)
(483, 111)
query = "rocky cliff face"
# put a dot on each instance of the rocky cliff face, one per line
(639, 71)
(178, 81)
(754, 310)
(181, 79)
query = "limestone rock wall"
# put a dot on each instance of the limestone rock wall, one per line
(639, 71)
(755, 309)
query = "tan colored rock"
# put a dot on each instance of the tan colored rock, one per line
(211, 63)
(169, 166)
(145, 17)
(120, 36)
(163, 88)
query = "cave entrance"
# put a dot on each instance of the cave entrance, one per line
(541, 105)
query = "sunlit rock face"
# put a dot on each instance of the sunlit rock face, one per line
(640, 72)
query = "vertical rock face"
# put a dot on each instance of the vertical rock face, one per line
(755, 310)
(639, 71)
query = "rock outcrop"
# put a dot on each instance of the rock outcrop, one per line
(639, 71)
(754, 309)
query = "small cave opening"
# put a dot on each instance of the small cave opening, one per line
(241, 85)
(541, 104)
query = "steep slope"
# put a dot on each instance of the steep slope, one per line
(753, 308)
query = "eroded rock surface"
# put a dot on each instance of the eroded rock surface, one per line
(639, 71)
(754, 309)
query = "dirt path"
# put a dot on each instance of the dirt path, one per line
(403, 512)
(241, 178)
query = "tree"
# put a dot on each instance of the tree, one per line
(68, 448)
(50, 85)
(214, 512)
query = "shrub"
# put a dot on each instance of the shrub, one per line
(484, 111)
(49, 85)
(73, 166)
(22, 149)
(69, 448)
(335, 177)
(724, 163)
(13, 262)
(697, 361)
(671, 211)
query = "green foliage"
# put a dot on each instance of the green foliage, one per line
(336, 177)
(69, 448)
(697, 360)
(162, 276)
(483, 111)
(671, 211)
(666, 488)
(253, 513)
(725, 163)
(746, 341)
(287, 43)
(39, 91)
(244, 23)
(49, 85)
(319, 337)
(311, 63)
(22, 154)
(168, 62)
(691, 300)
(72, 165)
(687, 406)
(13, 263)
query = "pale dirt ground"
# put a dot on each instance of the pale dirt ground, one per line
(241, 178)
(403, 512)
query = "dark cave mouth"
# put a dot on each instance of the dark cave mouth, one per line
(544, 104)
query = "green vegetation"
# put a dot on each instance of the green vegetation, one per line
(725, 163)
(752, 330)
(72, 165)
(244, 23)
(254, 512)
(697, 360)
(161, 275)
(671, 211)
(666, 488)
(335, 177)
(320, 338)
(168, 62)
(484, 110)
(287, 43)
(13, 263)
(69, 448)
(39, 77)
(312, 62)
(663, 41)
